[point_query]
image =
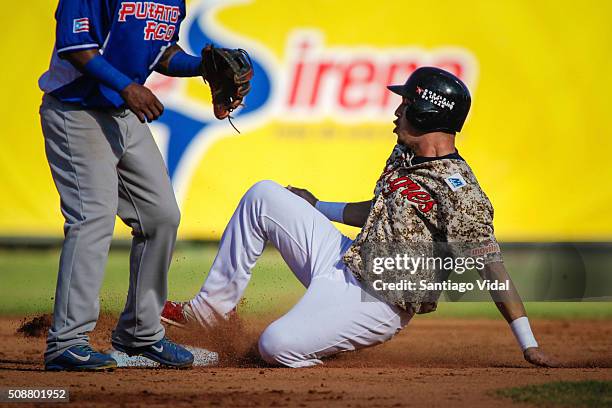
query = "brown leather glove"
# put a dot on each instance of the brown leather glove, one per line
(228, 72)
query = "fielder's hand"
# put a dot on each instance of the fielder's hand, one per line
(537, 357)
(142, 102)
(305, 194)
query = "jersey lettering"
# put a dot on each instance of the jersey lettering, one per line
(411, 191)
(158, 31)
(158, 16)
(149, 10)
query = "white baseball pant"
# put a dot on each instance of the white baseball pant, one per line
(333, 316)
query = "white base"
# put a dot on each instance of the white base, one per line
(202, 358)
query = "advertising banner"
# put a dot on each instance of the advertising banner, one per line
(320, 117)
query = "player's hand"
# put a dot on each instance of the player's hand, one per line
(142, 102)
(305, 194)
(537, 357)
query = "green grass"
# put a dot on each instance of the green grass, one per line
(563, 394)
(27, 280)
(27, 286)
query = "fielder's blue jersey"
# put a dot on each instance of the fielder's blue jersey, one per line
(131, 35)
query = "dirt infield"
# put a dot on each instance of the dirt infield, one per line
(431, 363)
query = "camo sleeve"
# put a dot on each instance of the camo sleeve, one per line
(467, 216)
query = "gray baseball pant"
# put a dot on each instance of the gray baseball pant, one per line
(105, 163)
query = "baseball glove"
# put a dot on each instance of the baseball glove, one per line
(228, 72)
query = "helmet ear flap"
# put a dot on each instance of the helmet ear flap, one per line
(427, 118)
(422, 117)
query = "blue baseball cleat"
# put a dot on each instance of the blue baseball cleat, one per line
(81, 358)
(164, 352)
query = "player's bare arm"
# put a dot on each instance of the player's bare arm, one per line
(138, 98)
(356, 214)
(353, 214)
(163, 66)
(511, 307)
(510, 304)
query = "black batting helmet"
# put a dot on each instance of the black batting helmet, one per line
(438, 100)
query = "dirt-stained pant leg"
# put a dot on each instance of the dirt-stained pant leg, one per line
(332, 316)
(147, 204)
(83, 148)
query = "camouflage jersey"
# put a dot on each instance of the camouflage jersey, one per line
(421, 200)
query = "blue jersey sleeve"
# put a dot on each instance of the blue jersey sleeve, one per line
(75, 23)
(183, 10)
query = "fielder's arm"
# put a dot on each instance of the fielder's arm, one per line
(163, 66)
(353, 214)
(511, 306)
(175, 62)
